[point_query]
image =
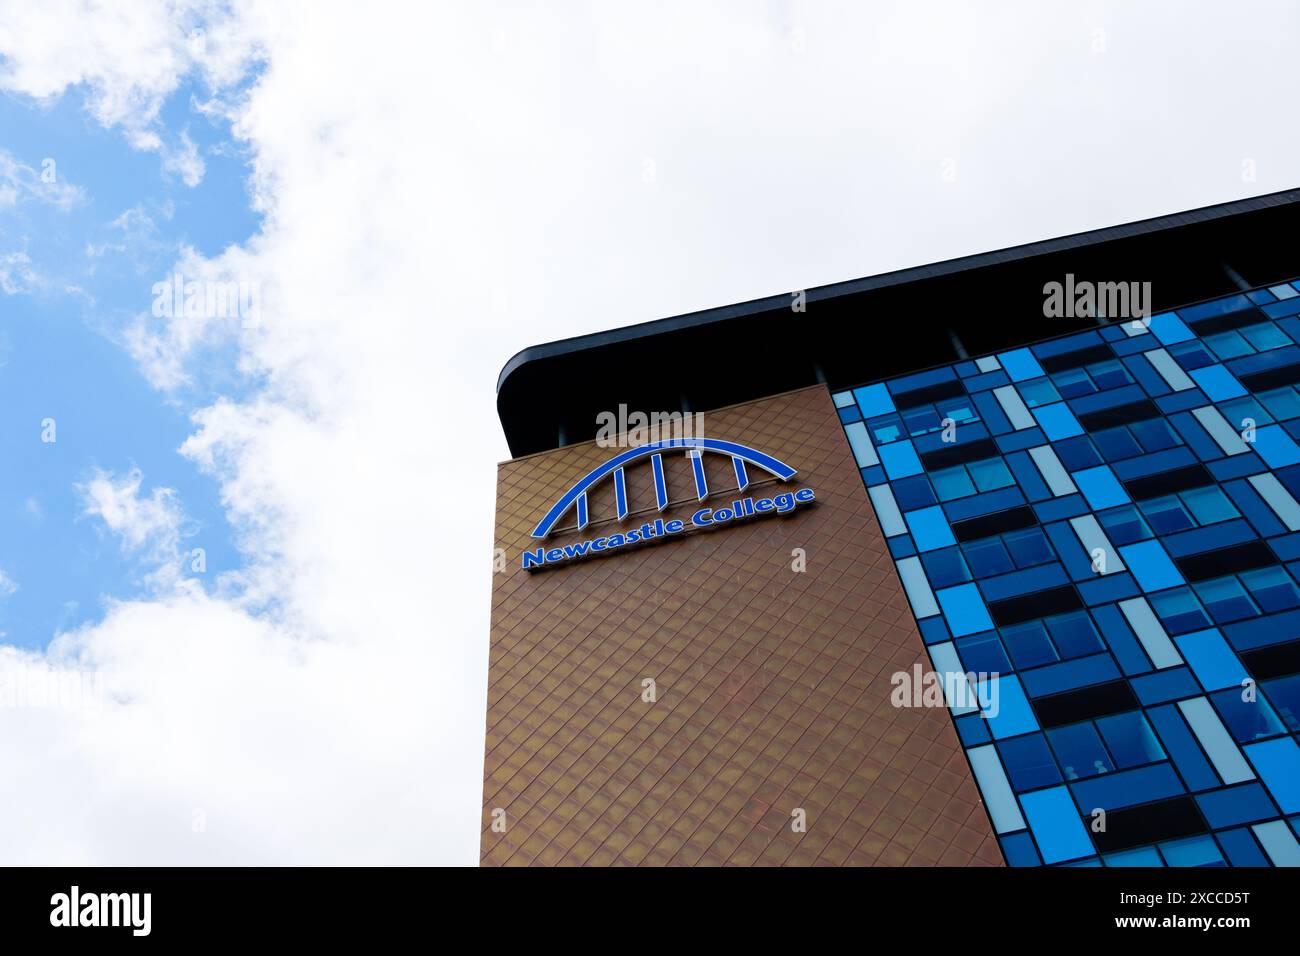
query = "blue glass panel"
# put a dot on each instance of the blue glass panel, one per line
(988, 557)
(1077, 454)
(964, 610)
(1124, 525)
(1040, 391)
(1179, 611)
(1100, 487)
(1285, 695)
(1272, 588)
(1028, 547)
(1074, 634)
(912, 493)
(1193, 851)
(1029, 762)
(1130, 739)
(1079, 751)
(945, 568)
(1142, 856)
(1278, 763)
(1056, 825)
(1247, 720)
(952, 483)
(983, 653)
(1116, 444)
(1209, 504)
(1167, 515)
(1225, 599)
(1150, 565)
(1029, 644)
(991, 474)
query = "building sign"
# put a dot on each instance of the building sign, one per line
(658, 529)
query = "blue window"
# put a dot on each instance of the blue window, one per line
(1116, 444)
(1191, 355)
(1151, 565)
(1126, 441)
(960, 409)
(1124, 525)
(1028, 547)
(1056, 825)
(1240, 409)
(1283, 402)
(978, 476)
(988, 557)
(1029, 644)
(945, 567)
(1025, 548)
(1029, 762)
(990, 474)
(1265, 336)
(913, 493)
(1167, 515)
(1057, 421)
(1073, 383)
(1079, 751)
(983, 654)
(1038, 392)
(1192, 851)
(1077, 454)
(1109, 374)
(1076, 382)
(929, 528)
(1209, 505)
(1130, 739)
(1248, 720)
(952, 483)
(1179, 611)
(964, 610)
(1272, 588)
(1074, 634)
(1225, 599)
(1285, 695)
(1228, 345)
(921, 421)
(1100, 487)
(1155, 434)
(900, 460)
(886, 429)
(1061, 637)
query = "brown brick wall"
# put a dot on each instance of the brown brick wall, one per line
(772, 685)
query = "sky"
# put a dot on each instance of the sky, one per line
(244, 552)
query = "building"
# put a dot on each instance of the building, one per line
(1030, 596)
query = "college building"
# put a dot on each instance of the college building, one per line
(987, 562)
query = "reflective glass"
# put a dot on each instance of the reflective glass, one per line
(1079, 751)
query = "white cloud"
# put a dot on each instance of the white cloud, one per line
(7, 585)
(129, 56)
(150, 528)
(16, 273)
(18, 182)
(442, 185)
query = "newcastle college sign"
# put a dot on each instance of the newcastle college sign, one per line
(743, 508)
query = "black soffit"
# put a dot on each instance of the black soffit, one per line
(881, 326)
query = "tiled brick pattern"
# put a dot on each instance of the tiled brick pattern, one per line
(772, 686)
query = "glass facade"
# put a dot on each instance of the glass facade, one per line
(1102, 531)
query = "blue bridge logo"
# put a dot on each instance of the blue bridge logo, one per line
(743, 458)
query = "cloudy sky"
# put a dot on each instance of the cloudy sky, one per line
(243, 611)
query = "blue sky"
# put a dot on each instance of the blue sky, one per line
(59, 357)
